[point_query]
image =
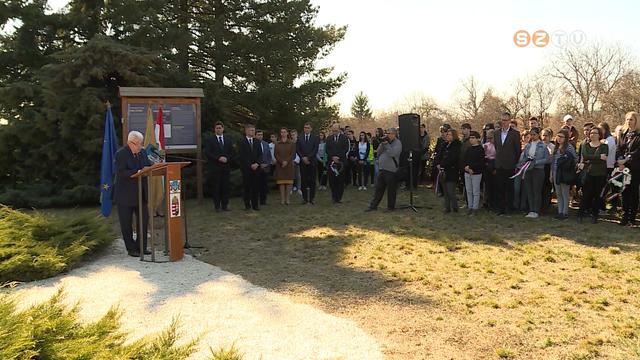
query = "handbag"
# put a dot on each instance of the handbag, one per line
(566, 170)
(582, 173)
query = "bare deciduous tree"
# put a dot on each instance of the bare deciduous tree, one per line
(625, 97)
(519, 103)
(590, 72)
(544, 93)
(491, 108)
(421, 104)
(471, 98)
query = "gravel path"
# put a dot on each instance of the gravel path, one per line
(222, 306)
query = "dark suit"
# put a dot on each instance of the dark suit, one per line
(263, 175)
(337, 148)
(308, 148)
(125, 195)
(507, 155)
(250, 154)
(213, 150)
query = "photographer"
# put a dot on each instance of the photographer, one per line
(388, 154)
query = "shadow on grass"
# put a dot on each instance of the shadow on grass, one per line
(283, 246)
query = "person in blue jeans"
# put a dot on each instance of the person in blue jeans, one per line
(536, 154)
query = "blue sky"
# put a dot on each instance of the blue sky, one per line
(396, 48)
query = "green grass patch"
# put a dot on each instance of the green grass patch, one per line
(35, 246)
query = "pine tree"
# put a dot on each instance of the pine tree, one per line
(255, 60)
(360, 108)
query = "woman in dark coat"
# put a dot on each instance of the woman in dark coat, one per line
(450, 168)
(437, 156)
(628, 155)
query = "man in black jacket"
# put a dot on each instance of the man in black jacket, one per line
(130, 160)
(337, 147)
(307, 148)
(250, 158)
(507, 143)
(219, 152)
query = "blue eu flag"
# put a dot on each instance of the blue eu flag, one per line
(107, 169)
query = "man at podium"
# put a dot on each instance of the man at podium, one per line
(131, 159)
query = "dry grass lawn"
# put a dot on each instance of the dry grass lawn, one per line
(435, 286)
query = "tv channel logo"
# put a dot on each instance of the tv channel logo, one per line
(542, 38)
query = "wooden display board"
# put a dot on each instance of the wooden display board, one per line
(181, 118)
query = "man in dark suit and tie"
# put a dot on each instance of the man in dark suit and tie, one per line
(337, 147)
(307, 148)
(507, 143)
(219, 152)
(250, 159)
(265, 168)
(130, 160)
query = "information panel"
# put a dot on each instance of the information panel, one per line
(180, 128)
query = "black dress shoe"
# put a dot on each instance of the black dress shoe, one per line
(369, 209)
(218, 210)
(256, 208)
(247, 207)
(147, 252)
(133, 253)
(225, 209)
(311, 202)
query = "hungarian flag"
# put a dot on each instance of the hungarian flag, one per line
(159, 130)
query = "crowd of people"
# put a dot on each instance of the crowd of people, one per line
(500, 169)
(514, 171)
(303, 163)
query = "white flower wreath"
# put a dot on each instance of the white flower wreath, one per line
(620, 178)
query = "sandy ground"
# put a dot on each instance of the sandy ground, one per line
(220, 305)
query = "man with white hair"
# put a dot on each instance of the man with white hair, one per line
(130, 160)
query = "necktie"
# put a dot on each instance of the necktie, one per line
(307, 138)
(336, 137)
(251, 142)
(220, 141)
(137, 157)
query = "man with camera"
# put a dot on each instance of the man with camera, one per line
(388, 157)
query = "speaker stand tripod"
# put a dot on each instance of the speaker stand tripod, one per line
(411, 205)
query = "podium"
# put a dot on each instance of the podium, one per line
(174, 208)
